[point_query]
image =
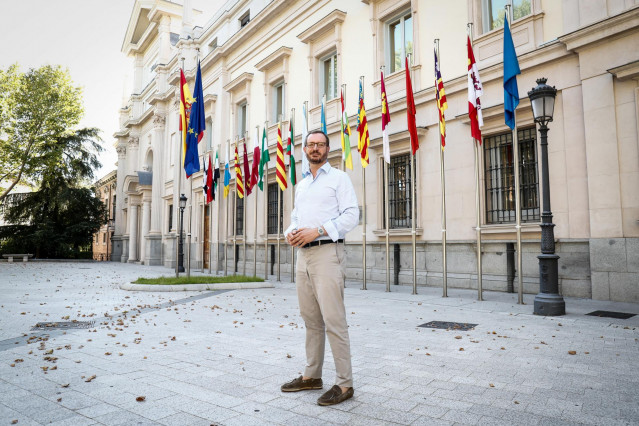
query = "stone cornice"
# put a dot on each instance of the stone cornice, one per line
(325, 24)
(626, 72)
(245, 77)
(274, 58)
(602, 30)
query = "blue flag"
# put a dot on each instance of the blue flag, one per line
(196, 127)
(511, 69)
(323, 117)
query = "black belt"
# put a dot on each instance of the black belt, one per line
(320, 242)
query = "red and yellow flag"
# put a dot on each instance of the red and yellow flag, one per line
(185, 109)
(410, 112)
(280, 172)
(238, 175)
(442, 105)
(362, 128)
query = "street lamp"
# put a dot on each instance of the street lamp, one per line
(548, 301)
(180, 242)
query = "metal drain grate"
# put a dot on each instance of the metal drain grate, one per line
(62, 325)
(445, 325)
(611, 314)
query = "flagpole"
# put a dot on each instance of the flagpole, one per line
(265, 206)
(363, 207)
(246, 133)
(292, 154)
(257, 132)
(179, 183)
(520, 280)
(279, 200)
(413, 201)
(343, 163)
(477, 198)
(188, 248)
(443, 188)
(228, 203)
(387, 221)
(219, 210)
(234, 216)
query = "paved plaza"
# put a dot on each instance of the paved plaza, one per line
(219, 357)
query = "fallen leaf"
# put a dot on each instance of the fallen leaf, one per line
(491, 385)
(288, 356)
(66, 385)
(458, 337)
(140, 398)
(91, 378)
(572, 352)
(461, 349)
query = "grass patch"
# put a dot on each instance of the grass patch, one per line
(199, 279)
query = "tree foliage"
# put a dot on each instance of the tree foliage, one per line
(39, 114)
(41, 147)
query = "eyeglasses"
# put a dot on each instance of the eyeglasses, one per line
(314, 145)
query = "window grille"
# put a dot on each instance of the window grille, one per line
(272, 209)
(498, 164)
(400, 192)
(239, 216)
(170, 222)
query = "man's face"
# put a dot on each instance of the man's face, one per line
(314, 153)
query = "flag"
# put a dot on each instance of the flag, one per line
(185, 109)
(442, 105)
(208, 183)
(280, 172)
(475, 90)
(511, 69)
(195, 131)
(306, 167)
(410, 112)
(385, 121)
(362, 128)
(323, 114)
(227, 171)
(290, 149)
(264, 159)
(247, 174)
(239, 185)
(205, 189)
(346, 137)
(256, 159)
(216, 174)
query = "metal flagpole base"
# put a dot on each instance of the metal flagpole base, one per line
(549, 302)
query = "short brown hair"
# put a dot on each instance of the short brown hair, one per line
(312, 132)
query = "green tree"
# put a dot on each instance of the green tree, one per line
(39, 111)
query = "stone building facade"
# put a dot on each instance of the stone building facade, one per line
(261, 58)
(106, 191)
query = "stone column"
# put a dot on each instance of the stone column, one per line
(132, 154)
(120, 226)
(146, 213)
(156, 198)
(133, 232)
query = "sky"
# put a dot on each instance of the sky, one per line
(84, 36)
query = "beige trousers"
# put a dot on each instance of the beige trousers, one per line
(320, 289)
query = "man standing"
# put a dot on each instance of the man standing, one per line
(325, 210)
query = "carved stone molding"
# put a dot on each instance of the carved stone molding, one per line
(159, 121)
(121, 150)
(133, 142)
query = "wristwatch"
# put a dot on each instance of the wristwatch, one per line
(320, 231)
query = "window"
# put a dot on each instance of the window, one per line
(113, 207)
(493, 12)
(498, 164)
(278, 101)
(239, 216)
(272, 209)
(104, 238)
(400, 40)
(209, 135)
(399, 192)
(328, 77)
(241, 120)
(213, 44)
(170, 222)
(245, 19)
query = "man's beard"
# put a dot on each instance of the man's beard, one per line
(315, 160)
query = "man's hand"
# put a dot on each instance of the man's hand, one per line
(300, 237)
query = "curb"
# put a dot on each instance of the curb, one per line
(195, 287)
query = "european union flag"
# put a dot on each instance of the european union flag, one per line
(197, 125)
(511, 69)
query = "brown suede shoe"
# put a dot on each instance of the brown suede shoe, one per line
(300, 384)
(335, 396)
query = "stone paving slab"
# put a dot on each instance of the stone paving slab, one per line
(219, 357)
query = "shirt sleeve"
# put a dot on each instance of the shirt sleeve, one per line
(348, 210)
(294, 221)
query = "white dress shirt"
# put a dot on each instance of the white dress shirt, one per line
(328, 200)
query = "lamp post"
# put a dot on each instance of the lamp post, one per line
(180, 242)
(110, 226)
(548, 301)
